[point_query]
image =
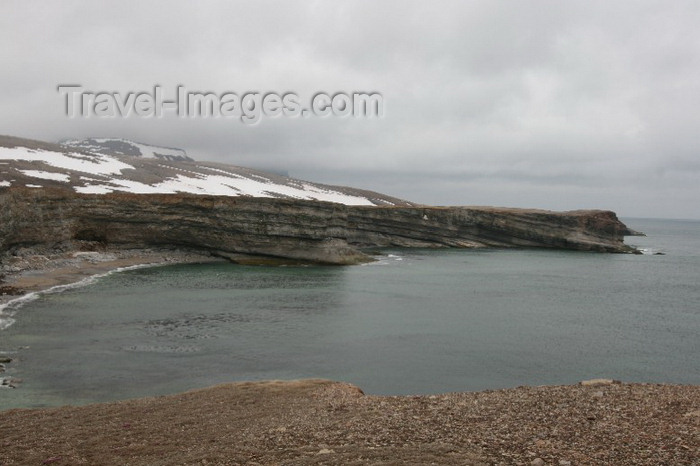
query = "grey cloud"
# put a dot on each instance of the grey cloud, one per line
(541, 103)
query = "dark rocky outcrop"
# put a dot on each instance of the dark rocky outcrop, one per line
(322, 232)
(118, 147)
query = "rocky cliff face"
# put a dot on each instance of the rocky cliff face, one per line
(323, 232)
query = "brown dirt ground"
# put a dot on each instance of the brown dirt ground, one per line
(322, 422)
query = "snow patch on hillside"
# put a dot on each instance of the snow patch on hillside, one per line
(93, 164)
(109, 171)
(46, 175)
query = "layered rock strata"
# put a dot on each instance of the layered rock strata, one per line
(320, 232)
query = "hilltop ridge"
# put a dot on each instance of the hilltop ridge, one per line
(101, 166)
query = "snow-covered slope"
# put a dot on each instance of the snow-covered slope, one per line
(116, 147)
(36, 164)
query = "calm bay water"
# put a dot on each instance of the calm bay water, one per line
(415, 322)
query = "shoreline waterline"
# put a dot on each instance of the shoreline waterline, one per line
(62, 272)
(6, 318)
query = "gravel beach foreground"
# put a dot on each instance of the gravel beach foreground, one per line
(324, 422)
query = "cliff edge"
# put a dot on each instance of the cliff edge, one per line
(61, 220)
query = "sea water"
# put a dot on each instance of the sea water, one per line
(414, 322)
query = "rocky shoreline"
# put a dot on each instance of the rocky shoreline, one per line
(54, 237)
(599, 422)
(29, 270)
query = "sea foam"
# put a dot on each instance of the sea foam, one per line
(10, 308)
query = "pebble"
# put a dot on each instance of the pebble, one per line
(537, 462)
(325, 451)
(593, 382)
(6, 383)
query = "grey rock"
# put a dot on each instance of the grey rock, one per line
(596, 382)
(313, 231)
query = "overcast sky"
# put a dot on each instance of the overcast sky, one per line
(549, 104)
